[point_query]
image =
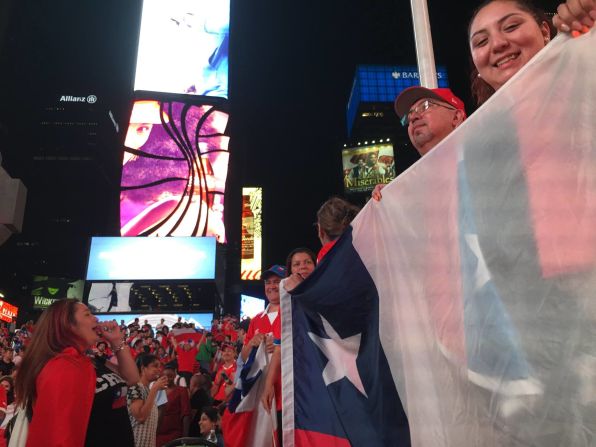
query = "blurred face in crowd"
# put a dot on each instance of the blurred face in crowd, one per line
(86, 325)
(272, 289)
(6, 385)
(503, 38)
(8, 355)
(228, 355)
(152, 371)
(171, 375)
(206, 424)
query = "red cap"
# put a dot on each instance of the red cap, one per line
(405, 100)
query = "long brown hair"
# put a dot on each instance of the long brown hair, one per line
(53, 333)
(481, 90)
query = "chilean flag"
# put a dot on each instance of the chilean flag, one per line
(245, 421)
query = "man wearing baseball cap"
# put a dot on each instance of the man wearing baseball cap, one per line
(430, 115)
(268, 321)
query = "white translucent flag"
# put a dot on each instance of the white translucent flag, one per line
(484, 253)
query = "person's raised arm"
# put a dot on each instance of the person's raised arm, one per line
(126, 367)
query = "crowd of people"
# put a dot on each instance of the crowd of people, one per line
(88, 383)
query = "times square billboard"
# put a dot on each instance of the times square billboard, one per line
(175, 160)
(183, 47)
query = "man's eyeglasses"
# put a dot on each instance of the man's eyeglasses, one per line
(420, 109)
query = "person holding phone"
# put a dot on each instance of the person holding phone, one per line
(224, 378)
(142, 403)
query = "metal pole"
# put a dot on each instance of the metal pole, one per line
(424, 44)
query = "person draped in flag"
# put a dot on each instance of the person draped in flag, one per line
(300, 264)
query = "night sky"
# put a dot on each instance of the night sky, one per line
(291, 69)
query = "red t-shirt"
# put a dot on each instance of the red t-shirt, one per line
(221, 390)
(186, 359)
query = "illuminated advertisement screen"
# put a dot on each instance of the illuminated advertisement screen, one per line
(364, 167)
(110, 297)
(8, 311)
(251, 241)
(251, 306)
(149, 258)
(183, 47)
(201, 320)
(45, 290)
(174, 170)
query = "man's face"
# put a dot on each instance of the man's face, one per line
(372, 159)
(427, 128)
(272, 289)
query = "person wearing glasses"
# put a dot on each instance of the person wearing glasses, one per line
(429, 115)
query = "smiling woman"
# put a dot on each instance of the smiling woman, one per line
(504, 35)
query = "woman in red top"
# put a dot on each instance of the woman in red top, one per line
(57, 380)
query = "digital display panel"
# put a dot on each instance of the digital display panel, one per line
(364, 167)
(183, 47)
(200, 320)
(8, 311)
(110, 297)
(151, 258)
(251, 306)
(45, 290)
(174, 170)
(251, 240)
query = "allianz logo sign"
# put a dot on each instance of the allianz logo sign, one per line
(91, 99)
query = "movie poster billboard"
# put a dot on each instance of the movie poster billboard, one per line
(45, 290)
(183, 47)
(364, 167)
(174, 170)
(251, 241)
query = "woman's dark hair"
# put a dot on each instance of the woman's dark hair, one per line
(335, 215)
(54, 332)
(481, 90)
(143, 360)
(308, 251)
(212, 414)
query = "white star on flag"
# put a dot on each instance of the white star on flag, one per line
(482, 274)
(341, 353)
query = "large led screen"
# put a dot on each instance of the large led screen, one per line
(151, 258)
(183, 47)
(367, 166)
(250, 306)
(251, 245)
(174, 171)
(200, 320)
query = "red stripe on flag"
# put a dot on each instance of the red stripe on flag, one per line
(236, 427)
(305, 438)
